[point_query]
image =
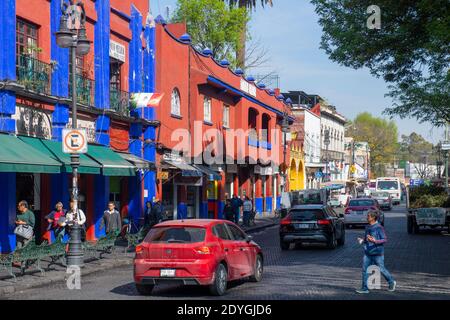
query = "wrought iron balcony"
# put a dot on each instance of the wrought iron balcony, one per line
(85, 90)
(34, 74)
(119, 101)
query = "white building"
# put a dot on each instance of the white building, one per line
(333, 154)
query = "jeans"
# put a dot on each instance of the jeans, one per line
(377, 261)
(236, 217)
(247, 218)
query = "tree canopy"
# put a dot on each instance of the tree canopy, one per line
(213, 24)
(381, 134)
(410, 51)
(414, 148)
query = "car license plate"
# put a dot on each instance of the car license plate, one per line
(302, 226)
(167, 273)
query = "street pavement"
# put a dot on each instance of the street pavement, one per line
(420, 264)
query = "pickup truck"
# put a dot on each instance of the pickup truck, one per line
(421, 215)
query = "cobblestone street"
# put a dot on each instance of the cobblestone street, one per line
(418, 262)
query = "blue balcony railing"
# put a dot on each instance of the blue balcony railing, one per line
(34, 74)
(85, 90)
(119, 101)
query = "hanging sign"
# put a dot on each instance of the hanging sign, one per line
(75, 141)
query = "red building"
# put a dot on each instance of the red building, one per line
(210, 101)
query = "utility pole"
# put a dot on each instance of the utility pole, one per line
(446, 159)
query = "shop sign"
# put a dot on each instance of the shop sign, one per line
(88, 126)
(172, 157)
(116, 50)
(33, 122)
(163, 175)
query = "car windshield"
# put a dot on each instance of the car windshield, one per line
(387, 185)
(380, 195)
(361, 203)
(176, 235)
(306, 214)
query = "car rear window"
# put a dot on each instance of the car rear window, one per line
(361, 203)
(307, 214)
(176, 235)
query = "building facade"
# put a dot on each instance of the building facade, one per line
(35, 108)
(333, 143)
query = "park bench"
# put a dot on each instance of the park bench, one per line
(106, 244)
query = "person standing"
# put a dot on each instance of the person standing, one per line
(54, 220)
(247, 208)
(25, 218)
(111, 219)
(228, 211)
(156, 212)
(182, 211)
(147, 213)
(72, 218)
(374, 240)
(236, 204)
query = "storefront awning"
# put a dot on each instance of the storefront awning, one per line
(209, 173)
(17, 156)
(53, 149)
(186, 169)
(138, 162)
(112, 163)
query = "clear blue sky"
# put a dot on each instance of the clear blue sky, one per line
(291, 33)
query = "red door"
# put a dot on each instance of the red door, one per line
(243, 251)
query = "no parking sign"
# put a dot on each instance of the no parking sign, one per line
(74, 141)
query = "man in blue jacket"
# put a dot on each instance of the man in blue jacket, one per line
(374, 240)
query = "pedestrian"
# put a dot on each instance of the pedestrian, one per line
(374, 240)
(228, 211)
(111, 219)
(156, 212)
(147, 212)
(237, 204)
(56, 220)
(247, 208)
(72, 218)
(182, 211)
(24, 221)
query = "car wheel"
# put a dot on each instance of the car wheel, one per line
(257, 275)
(144, 289)
(341, 240)
(285, 245)
(332, 243)
(415, 228)
(219, 286)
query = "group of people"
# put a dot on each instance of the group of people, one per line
(233, 206)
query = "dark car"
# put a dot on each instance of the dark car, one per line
(312, 224)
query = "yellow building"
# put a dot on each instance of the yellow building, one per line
(297, 167)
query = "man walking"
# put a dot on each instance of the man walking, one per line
(236, 203)
(156, 213)
(374, 240)
(247, 210)
(111, 219)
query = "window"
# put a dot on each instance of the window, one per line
(207, 109)
(176, 235)
(175, 105)
(226, 116)
(115, 74)
(26, 39)
(238, 235)
(307, 214)
(221, 232)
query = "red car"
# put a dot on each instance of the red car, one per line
(196, 252)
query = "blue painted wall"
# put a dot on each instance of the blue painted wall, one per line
(101, 201)
(259, 205)
(7, 212)
(269, 204)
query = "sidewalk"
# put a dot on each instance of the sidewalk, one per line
(57, 273)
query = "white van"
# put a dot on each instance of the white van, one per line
(392, 186)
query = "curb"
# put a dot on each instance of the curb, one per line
(49, 279)
(259, 228)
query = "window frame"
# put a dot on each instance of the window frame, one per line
(226, 124)
(175, 112)
(207, 104)
(26, 36)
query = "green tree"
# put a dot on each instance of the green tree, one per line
(382, 136)
(411, 50)
(212, 24)
(248, 5)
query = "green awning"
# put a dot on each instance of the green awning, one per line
(112, 163)
(54, 150)
(18, 156)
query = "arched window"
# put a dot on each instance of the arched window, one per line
(175, 105)
(207, 109)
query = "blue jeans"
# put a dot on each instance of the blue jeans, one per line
(236, 217)
(246, 218)
(379, 262)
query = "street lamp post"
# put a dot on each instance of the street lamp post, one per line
(326, 141)
(284, 129)
(75, 39)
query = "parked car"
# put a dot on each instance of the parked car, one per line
(196, 252)
(312, 224)
(384, 200)
(357, 209)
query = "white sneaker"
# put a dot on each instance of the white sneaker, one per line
(392, 286)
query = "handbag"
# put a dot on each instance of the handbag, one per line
(24, 231)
